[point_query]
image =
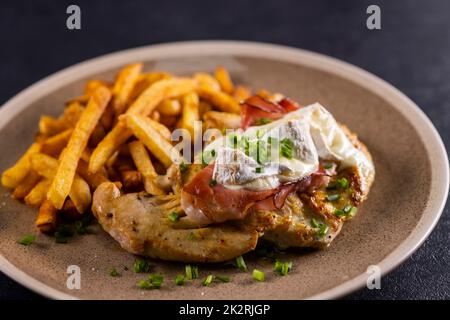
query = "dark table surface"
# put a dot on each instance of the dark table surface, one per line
(411, 51)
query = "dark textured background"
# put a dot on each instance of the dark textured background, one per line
(412, 52)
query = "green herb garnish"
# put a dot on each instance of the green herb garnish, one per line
(223, 278)
(141, 266)
(259, 170)
(156, 280)
(180, 280)
(343, 183)
(339, 213)
(333, 197)
(208, 280)
(328, 165)
(213, 183)
(173, 216)
(258, 275)
(183, 167)
(191, 272)
(262, 121)
(113, 272)
(241, 264)
(282, 268)
(314, 223)
(27, 240)
(286, 148)
(323, 229)
(63, 233)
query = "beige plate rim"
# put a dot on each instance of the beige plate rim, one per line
(434, 145)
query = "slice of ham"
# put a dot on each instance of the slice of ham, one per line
(205, 203)
(256, 108)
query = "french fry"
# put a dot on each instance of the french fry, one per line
(204, 107)
(38, 193)
(123, 86)
(93, 179)
(207, 80)
(169, 107)
(162, 129)
(86, 155)
(146, 80)
(14, 175)
(160, 148)
(47, 167)
(93, 84)
(46, 218)
(219, 99)
(168, 121)
(72, 113)
(155, 115)
(62, 183)
(97, 135)
(144, 164)
(50, 126)
(190, 112)
(144, 104)
(55, 144)
(222, 120)
(223, 77)
(241, 93)
(26, 185)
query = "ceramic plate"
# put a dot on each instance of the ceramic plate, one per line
(405, 202)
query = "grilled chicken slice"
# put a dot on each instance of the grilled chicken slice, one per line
(140, 224)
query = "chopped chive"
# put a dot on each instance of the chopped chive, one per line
(328, 165)
(353, 211)
(259, 170)
(314, 223)
(282, 268)
(27, 240)
(208, 280)
(156, 280)
(258, 275)
(343, 183)
(180, 279)
(241, 264)
(183, 167)
(286, 148)
(339, 213)
(223, 278)
(323, 229)
(144, 284)
(213, 183)
(347, 208)
(262, 121)
(191, 272)
(174, 216)
(333, 197)
(141, 266)
(113, 272)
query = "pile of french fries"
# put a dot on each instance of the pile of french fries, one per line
(119, 132)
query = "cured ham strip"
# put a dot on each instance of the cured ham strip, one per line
(256, 108)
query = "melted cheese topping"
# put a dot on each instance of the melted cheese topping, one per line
(252, 159)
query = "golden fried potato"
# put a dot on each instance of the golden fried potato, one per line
(46, 218)
(38, 193)
(55, 144)
(144, 164)
(169, 107)
(14, 175)
(123, 86)
(222, 120)
(190, 112)
(144, 104)
(62, 183)
(26, 185)
(160, 147)
(224, 79)
(47, 167)
(207, 80)
(220, 100)
(241, 93)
